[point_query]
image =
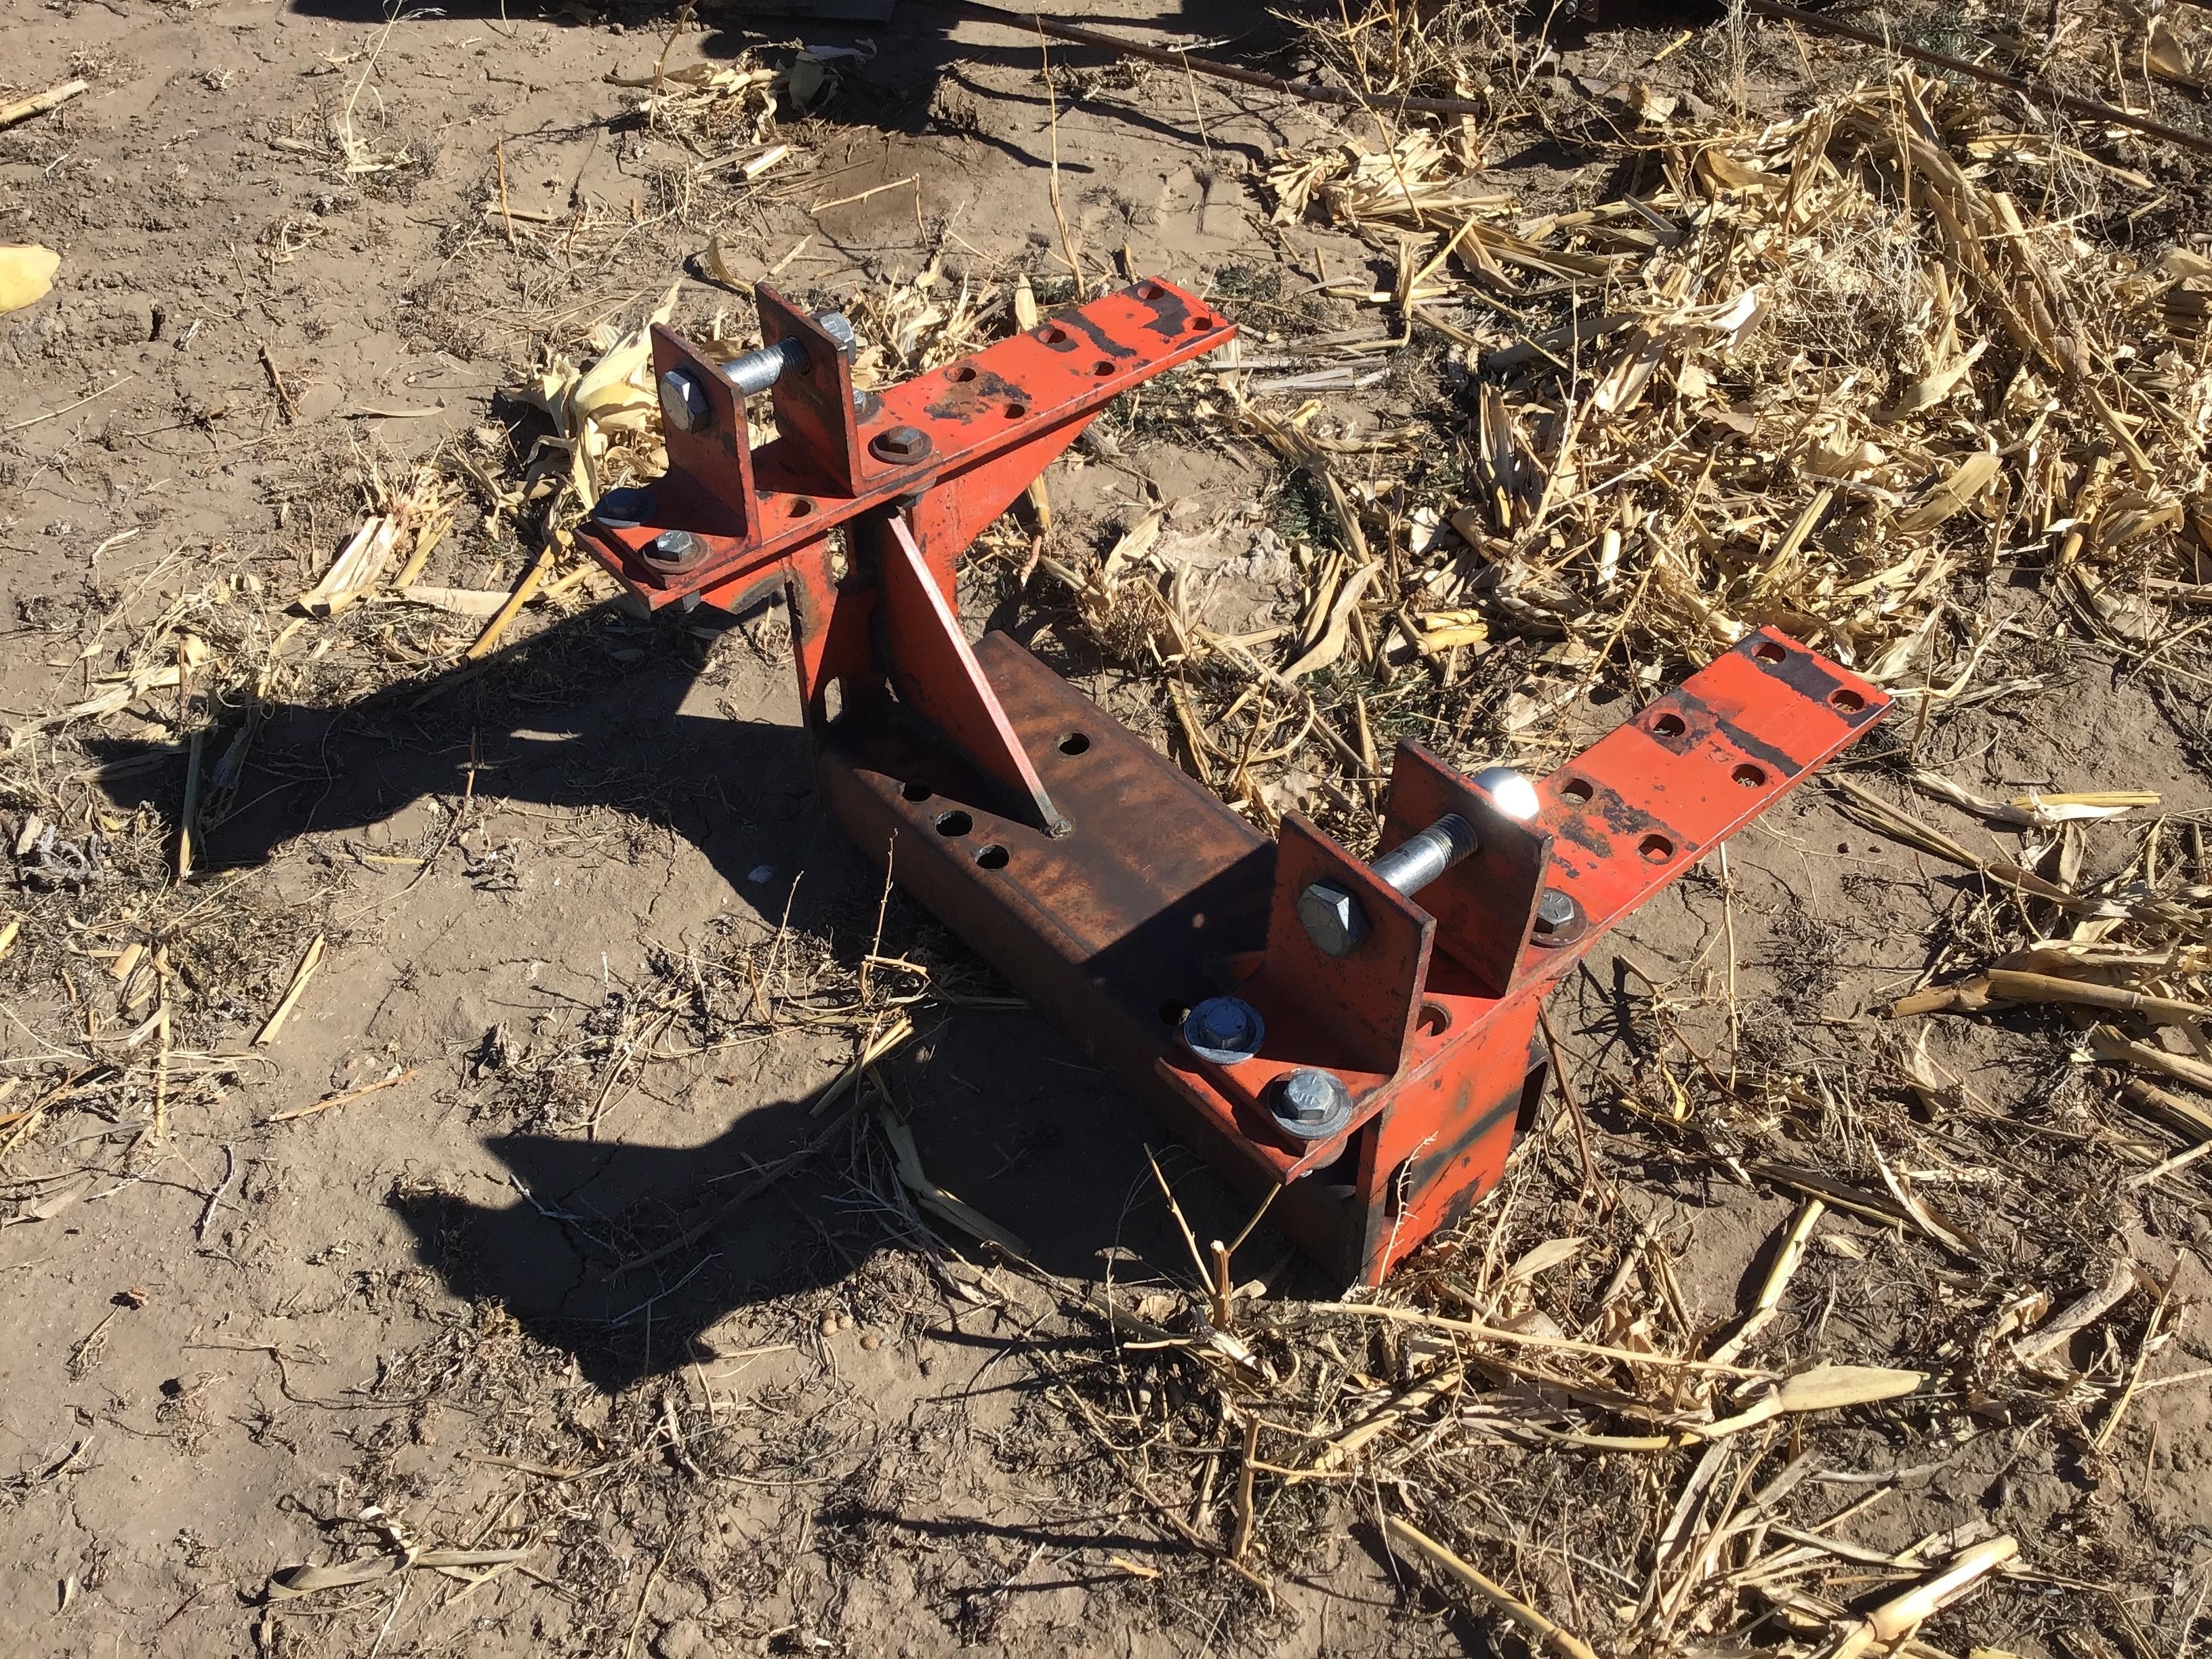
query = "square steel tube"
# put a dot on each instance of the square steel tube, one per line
(1157, 899)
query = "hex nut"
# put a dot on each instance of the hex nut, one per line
(833, 324)
(1559, 919)
(674, 549)
(1333, 919)
(625, 509)
(1509, 790)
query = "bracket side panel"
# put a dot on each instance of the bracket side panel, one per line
(1486, 904)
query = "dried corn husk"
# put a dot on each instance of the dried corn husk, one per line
(27, 272)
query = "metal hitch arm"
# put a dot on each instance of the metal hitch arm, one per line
(1360, 1040)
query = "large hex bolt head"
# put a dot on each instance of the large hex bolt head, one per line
(624, 508)
(1510, 791)
(1333, 919)
(1559, 920)
(904, 444)
(833, 324)
(1226, 1030)
(674, 551)
(684, 403)
(1312, 1103)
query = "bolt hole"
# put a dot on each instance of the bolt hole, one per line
(1850, 701)
(955, 822)
(1767, 651)
(1102, 368)
(1750, 776)
(1434, 1020)
(1174, 1014)
(962, 372)
(799, 506)
(991, 856)
(1657, 849)
(1201, 321)
(1576, 792)
(915, 791)
(1148, 290)
(1053, 334)
(1669, 725)
(1015, 411)
(1074, 744)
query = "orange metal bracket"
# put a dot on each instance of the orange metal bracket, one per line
(1106, 884)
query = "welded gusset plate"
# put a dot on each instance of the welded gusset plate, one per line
(1655, 795)
(938, 676)
(1018, 392)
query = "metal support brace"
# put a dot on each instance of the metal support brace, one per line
(1358, 1039)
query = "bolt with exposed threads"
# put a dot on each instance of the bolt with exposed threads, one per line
(762, 368)
(1333, 917)
(1419, 858)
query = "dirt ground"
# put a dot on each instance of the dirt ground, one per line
(436, 1313)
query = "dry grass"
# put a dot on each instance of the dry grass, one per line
(1829, 373)
(1832, 372)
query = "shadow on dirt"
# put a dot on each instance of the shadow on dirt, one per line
(623, 1254)
(627, 1255)
(906, 76)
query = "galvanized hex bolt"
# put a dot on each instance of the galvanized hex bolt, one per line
(833, 324)
(1333, 919)
(1510, 790)
(1226, 1030)
(904, 443)
(1312, 1105)
(684, 403)
(674, 548)
(1559, 920)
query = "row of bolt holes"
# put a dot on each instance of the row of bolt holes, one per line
(1657, 849)
(955, 822)
(1053, 335)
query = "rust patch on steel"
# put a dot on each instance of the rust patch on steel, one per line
(1170, 312)
(970, 399)
(1812, 676)
(1098, 337)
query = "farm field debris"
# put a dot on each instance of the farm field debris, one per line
(1872, 373)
